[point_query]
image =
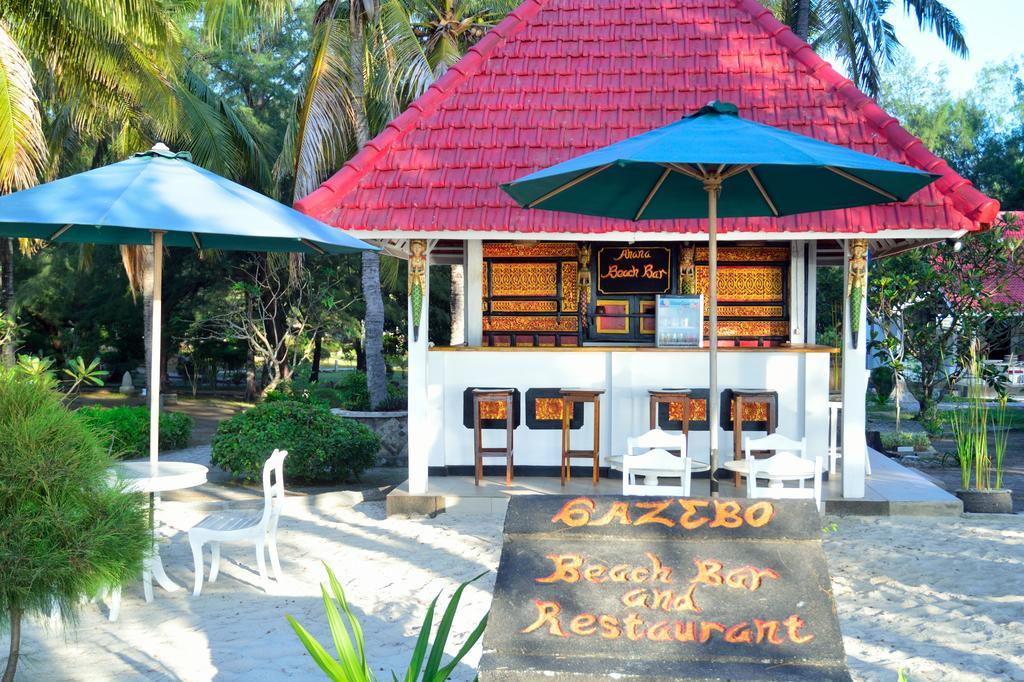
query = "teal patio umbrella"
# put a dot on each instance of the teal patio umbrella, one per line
(161, 198)
(709, 164)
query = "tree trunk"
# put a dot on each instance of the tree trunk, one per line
(318, 349)
(458, 307)
(7, 302)
(803, 19)
(250, 375)
(373, 330)
(12, 657)
(373, 327)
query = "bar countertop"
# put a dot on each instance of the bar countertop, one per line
(788, 348)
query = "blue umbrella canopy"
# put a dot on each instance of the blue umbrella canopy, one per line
(161, 198)
(761, 170)
(158, 190)
(715, 164)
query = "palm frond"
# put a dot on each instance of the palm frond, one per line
(934, 16)
(22, 144)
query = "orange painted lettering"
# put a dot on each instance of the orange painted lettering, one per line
(727, 515)
(635, 598)
(686, 632)
(633, 625)
(690, 508)
(575, 512)
(619, 512)
(583, 624)
(793, 625)
(748, 577)
(759, 513)
(709, 572)
(610, 627)
(707, 627)
(656, 508)
(739, 634)
(595, 573)
(659, 571)
(547, 614)
(659, 632)
(768, 629)
(567, 568)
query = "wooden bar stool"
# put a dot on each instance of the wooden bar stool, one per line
(492, 395)
(570, 397)
(669, 396)
(739, 399)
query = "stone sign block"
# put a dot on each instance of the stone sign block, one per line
(662, 589)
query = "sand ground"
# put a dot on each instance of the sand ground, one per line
(941, 598)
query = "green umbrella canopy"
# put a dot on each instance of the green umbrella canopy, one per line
(125, 202)
(764, 171)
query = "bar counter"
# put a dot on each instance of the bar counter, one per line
(613, 348)
(797, 374)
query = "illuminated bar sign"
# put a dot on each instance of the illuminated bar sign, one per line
(649, 588)
(634, 269)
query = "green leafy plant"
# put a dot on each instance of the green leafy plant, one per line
(81, 373)
(921, 442)
(127, 428)
(66, 530)
(322, 447)
(970, 431)
(895, 439)
(1001, 425)
(351, 665)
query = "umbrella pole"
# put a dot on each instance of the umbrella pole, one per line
(154, 359)
(712, 190)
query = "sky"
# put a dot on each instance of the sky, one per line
(992, 29)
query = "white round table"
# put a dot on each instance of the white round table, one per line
(775, 480)
(651, 475)
(144, 477)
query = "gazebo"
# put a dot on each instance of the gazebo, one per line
(545, 310)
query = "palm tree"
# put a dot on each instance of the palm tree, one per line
(447, 28)
(365, 65)
(856, 33)
(113, 78)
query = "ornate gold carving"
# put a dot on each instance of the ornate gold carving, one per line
(747, 283)
(548, 409)
(523, 279)
(754, 311)
(523, 249)
(417, 282)
(524, 306)
(583, 273)
(528, 323)
(687, 273)
(750, 328)
(858, 283)
(570, 286)
(492, 410)
(748, 254)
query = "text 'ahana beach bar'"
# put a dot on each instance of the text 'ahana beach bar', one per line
(562, 307)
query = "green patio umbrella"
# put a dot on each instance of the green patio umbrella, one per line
(680, 171)
(161, 198)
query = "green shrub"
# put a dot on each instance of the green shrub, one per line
(347, 391)
(322, 447)
(129, 427)
(895, 439)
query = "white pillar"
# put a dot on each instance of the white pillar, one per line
(419, 441)
(854, 387)
(811, 316)
(797, 292)
(473, 274)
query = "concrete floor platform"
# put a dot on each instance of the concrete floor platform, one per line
(891, 490)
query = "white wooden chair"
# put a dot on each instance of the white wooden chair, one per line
(656, 438)
(260, 528)
(657, 460)
(787, 464)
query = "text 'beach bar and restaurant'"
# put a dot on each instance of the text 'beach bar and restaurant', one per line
(557, 301)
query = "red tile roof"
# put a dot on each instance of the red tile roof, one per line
(558, 78)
